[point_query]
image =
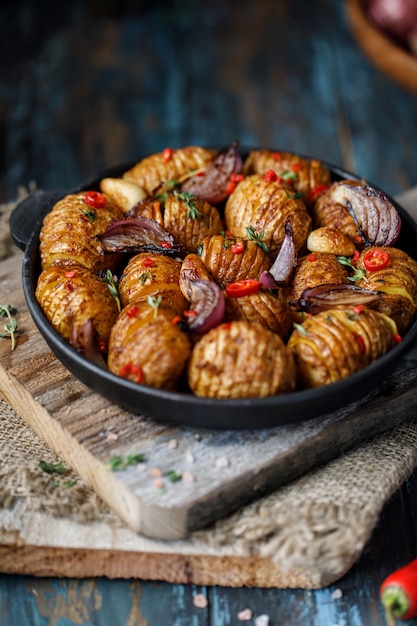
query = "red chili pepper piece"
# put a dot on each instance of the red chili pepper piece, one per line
(237, 247)
(245, 287)
(95, 199)
(176, 320)
(167, 155)
(130, 369)
(358, 309)
(397, 338)
(399, 592)
(376, 260)
(361, 343)
(312, 257)
(297, 167)
(231, 186)
(165, 244)
(270, 176)
(190, 313)
(148, 262)
(277, 156)
(355, 257)
(132, 311)
(236, 178)
(316, 191)
(70, 274)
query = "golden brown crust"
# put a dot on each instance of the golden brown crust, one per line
(69, 234)
(306, 174)
(240, 360)
(71, 295)
(397, 282)
(190, 220)
(270, 310)
(147, 347)
(265, 206)
(327, 211)
(337, 343)
(318, 268)
(225, 265)
(155, 169)
(325, 239)
(152, 275)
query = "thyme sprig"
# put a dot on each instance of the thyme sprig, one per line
(190, 202)
(257, 238)
(112, 282)
(358, 273)
(118, 463)
(155, 303)
(10, 327)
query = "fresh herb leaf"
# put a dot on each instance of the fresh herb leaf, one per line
(288, 176)
(257, 238)
(155, 303)
(118, 463)
(112, 281)
(300, 328)
(190, 202)
(90, 215)
(10, 328)
(173, 476)
(53, 468)
(358, 273)
(145, 276)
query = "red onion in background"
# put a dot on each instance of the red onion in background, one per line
(397, 18)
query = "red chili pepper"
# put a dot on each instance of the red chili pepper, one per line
(270, 176)
(361, 343)
(95, 199)
(316, 191)
(277, 156)
(245, 287)
(397, 338)
(237, 178)
(130, 369)
(312, 257)
(148, 262)
(376, 259)
(237, 247)
(70, 287)
(296, 167)
(132, 311)
(70, 274)
(167, 155)
(231, 186)
(399, 592)
(358, 309)
(176, 320)
(190, 313)
(165, 244)
(355, 257)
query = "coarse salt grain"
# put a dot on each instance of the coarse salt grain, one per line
(200, 601)
(245, 615)
(262, 620)
(337, 593)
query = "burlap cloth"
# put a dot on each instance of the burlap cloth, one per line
(319, 523)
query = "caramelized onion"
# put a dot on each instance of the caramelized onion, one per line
(376, 217)
(84, 340)
(324, 297)
(286, 260)
(133, 234)
(213, 186)
(207, 304)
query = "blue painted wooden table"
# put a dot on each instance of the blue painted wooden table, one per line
(95, 84)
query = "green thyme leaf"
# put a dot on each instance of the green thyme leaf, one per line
(155, 303)
(358, 273)
(257, 238)
(112, 281)
(190, 202)
(300, 328)
(288, 176)
(173, 476)
(53, 468)
(10, 328)
(90, 215)
(118, 463)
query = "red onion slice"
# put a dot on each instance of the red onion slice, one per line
(324, 297)
(84, 340)
(214, 185)
(134, 233)
(376, 217)
(286, 260)
(208, 304)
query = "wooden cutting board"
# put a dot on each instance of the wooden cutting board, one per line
(216, 471)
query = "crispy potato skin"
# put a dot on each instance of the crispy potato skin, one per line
(264, 308)
(73, 294)
(188, 225)
(240, 360)
(192, 268)
(308, 173)
(265, 205)
(226, 266)
(327, 239)
(327, 212)
(155, 169)
(318, 268)
(338, 343)
(147, 339)
(398, 284)
(152, 275)
(69, 231)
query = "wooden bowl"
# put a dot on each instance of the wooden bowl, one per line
(395, 61)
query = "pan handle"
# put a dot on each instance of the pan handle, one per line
(28, 214)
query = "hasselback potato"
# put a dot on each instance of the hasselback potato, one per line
(152, 274)
(336, 343)
(240, 360)
(266, 308)
(308, 176)
(392, 272)
(263, 205)
(71, 295)
(69, 232)
(147, 347)
(170, 164)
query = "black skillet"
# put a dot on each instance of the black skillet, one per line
(183, 407)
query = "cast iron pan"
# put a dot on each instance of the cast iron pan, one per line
(182, 407)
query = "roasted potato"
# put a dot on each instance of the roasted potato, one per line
(327, 239)
(229, 258)
(306, 175)
(336, 343)
(240, 360)
(72, 294)
(147, 347)
(167, 165)
(152, 275)
(330, 210)
(263, 206)
(69, 233)
(268, 309)
(394, 273)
